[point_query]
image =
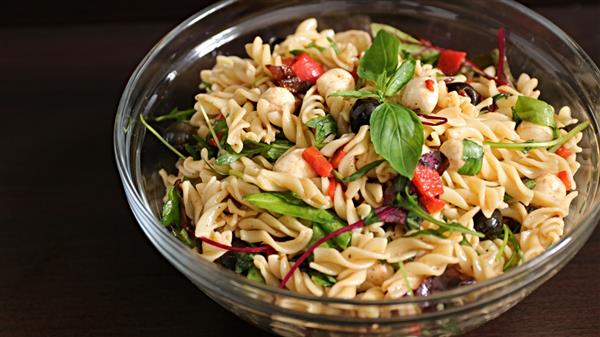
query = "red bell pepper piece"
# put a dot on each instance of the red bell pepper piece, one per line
(430, 85)
(331, 189)
(564, 177)
(212, 142)
(450, 61)
(307, 69)
(288, 61)
(432, 205)
(337, 158)
(427, 181)
(563, 152)
(317, 161)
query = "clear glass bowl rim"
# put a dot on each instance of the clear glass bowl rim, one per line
(578, 233)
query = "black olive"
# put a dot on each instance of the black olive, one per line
(512, 224)
(228, 260)
(361, 113)
(491, 227)
(464, 89)
(435, 160)
(179, 133)
(275, 40)
(450, 279)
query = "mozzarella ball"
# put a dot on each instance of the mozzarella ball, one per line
(416, 94)
(549, 191)
(278, 99)
(530, 131)
(334, 80)
(453, 150)
(292, 162)
(378, 273)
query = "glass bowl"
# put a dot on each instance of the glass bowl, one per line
(168, 77)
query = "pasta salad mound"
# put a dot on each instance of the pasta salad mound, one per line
(368, 165)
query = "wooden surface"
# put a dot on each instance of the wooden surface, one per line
(73, 261)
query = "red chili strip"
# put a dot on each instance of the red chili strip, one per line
(235, 249)
(381, 213)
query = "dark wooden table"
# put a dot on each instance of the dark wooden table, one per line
(73, 261)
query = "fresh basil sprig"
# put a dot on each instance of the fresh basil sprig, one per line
(397, 135)
(324, 126)
(380, 60)
(473, 158)
(284, 203)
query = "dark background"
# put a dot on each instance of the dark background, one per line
(73, 261)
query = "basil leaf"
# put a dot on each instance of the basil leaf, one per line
(534, 111)
(354, 94)
(321, 279)
(473, 157)
(362, 171)
(397, 135)
(276, 148)
(324, 126)
(255, 275)
(281, 203)
(180, 115)
(170, 210)
(405, 72)
(381, 58)
(409, 46)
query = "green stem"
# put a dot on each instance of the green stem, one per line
(504, 243)
(183, 113)
(164, 141)
(553, 145)
(405, 277)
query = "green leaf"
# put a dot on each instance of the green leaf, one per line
(184, 237)
(170, 210)
(409, 46)
(473, 157)
(321, 279)
(318, 234)
(405, 72)
(180, 115)
(534, 111)
(324, 126)
(244, 262)
(552, 145)
(276, 148)
(283, 203)
(251, 148)
(381, 58)
(376, 27)
(159, 137)
(397, 135)
(255, 275)
(362, 171)
(412, 222)
(297, 52)
(354, 94)
(333, 45)
(498, 97)
(517, 256)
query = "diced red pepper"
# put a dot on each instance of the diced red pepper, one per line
(429, 84)
(427, 181)
(564, 177)
(337, 158)
(355, 73)
(212, 139)
(331, 189)
(317, 161)
(432, 205)
(219, 117)
(563, 152)
(450, 61)
(307, 69)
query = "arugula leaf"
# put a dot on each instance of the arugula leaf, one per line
(201, 143)
(380, 59)
(159, 137)
(284, 203)
(355, 94)
(504, 242)
(413, 222)
(405, 72)
(324, 126)
(397, 135)
(255, 275)
(321, 279)
(318, 234)
(552, 145)
(473, 157)
(184, 237)
(534, 111)
(170, 210)
(333, 45)
(517, 256)
(180, 115)
(251, 148)
(361, 172)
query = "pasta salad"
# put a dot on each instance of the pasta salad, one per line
(367, 165)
